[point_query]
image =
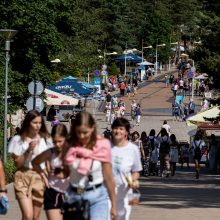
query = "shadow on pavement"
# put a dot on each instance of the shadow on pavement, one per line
(181, 191)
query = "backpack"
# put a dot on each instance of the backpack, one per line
(151, 144)
(165, 147)
(197, 150)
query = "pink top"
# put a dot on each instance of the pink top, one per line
(101, 152)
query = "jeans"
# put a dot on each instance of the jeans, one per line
(98, 199)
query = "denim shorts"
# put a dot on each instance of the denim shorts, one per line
(98, 199)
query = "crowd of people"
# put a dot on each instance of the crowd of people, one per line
(182, 87)
(115, 108)
(160, 153)
(76, 174)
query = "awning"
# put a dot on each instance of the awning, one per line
(146, 63)
(198, 119)
(55, 98)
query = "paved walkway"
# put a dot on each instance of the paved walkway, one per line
(180, 197)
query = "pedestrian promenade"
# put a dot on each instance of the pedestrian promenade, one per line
(180, 197)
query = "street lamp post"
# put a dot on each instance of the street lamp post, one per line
(7, 35)
(160, 45)
(142, 54)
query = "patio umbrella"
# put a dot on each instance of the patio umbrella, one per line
(129, 57)
(198, 119)
(70, 85)
(54, 98)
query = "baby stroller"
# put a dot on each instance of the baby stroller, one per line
(184, 153)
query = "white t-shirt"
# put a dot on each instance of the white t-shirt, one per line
(18, 147)
(181, 82)
(80, 180)
(167, 127)
(125, 160)
(176, 87)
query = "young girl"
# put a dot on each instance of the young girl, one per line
(28, 184)
(126, 165)
(55, 176)
(89, 164)
(136, 140)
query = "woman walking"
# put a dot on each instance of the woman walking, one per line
(136, 140)
(55, 175)
(153, 146)
(197, 145)
(138, 114)
(126, 166)
(28, 184)
(174, 154)
(164, 153)
(90, 170)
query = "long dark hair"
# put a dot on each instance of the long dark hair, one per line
(25, 127)
(60, 130)
(164, 132)
(133, 134)
(83, 118)
(173, 139)
(143, 136)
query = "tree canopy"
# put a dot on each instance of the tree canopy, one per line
(75, 30)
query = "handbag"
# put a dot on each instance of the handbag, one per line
(77, 210)
(4, 205)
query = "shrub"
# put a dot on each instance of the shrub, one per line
(10, 169)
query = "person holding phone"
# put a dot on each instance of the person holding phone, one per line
(29, 186)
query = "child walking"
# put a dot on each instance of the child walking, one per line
(55, 175)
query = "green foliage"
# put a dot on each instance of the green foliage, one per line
(113, 69)
(9, 169)
(208, 54)
(73, 31)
